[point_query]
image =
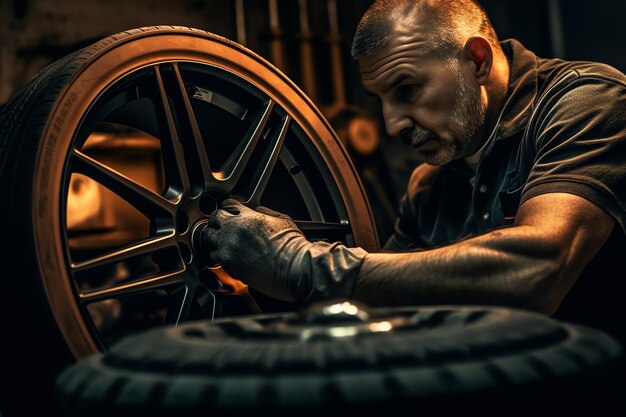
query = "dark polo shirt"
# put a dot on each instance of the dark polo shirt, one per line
(562, 129)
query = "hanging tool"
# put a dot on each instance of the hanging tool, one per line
(306, 52)
(240, 22)
(277, 51)
(336, 62)
(361, 131)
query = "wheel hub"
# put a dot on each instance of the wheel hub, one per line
(199, 248)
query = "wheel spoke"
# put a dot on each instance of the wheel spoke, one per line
(144, 200)
(154, 283)
(197, 160)
(172, 150)
(236, 163)
(304, 187)
(266, 166)
(141, 248)
(183, 311)
(305, 225)
(191, 294)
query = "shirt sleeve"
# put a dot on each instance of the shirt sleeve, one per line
(579, 141)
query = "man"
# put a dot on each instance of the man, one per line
(521, 202)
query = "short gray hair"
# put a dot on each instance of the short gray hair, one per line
(450, 19)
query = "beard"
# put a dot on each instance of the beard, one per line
(466, 119)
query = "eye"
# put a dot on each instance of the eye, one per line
(407, 92)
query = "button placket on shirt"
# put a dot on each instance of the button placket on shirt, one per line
(482, 205)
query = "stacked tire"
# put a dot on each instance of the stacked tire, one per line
(442, 361)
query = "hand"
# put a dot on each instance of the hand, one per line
(267, 251)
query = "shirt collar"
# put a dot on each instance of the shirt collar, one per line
(522, 90)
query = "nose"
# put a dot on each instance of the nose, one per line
(396, 120)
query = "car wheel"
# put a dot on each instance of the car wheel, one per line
(111, 160)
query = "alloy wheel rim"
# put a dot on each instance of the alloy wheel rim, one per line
(194, 178)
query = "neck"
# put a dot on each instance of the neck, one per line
(496, 91)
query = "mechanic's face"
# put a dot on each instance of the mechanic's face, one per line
(428, 102)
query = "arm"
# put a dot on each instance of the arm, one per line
(530, 265)
(267, 251)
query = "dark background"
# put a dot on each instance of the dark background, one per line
(34, 33)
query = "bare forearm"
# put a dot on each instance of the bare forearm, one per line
(531, 265)
(515, 267)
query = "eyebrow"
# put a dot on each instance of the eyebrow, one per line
(399, 79)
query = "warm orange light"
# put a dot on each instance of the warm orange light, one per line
(383, 326)
(236, 286)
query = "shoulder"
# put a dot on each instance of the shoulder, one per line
(422, 178)
(577, 93)
(599, 70)
(556, 76)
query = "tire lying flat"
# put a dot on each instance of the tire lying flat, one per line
(444, 360)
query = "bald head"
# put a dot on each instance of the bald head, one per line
(448, 24)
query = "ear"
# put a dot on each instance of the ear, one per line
(478, 50)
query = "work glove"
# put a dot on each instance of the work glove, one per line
(267, 251)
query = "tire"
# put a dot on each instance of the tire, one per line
(153, 85)
(443, 360)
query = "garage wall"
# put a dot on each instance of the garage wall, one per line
(36, 32)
